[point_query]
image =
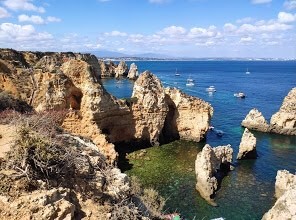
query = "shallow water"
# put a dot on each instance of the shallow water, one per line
(247, 192)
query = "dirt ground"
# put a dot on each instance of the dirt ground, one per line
(7, 136)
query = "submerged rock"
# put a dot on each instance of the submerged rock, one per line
(247, 147)
(284, 121)
(211, 165)
(255, 121)
(285, 206)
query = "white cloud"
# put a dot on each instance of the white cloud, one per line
(53, 19)
(290, 4)
(284, 17)
(246, 39)
(116, 34)
(3, 13)
(22, 5)
(14, 32)
(261, 1)
(198, 32)
(173, 31)
(35, 19)
(228, 27)
(268, 27)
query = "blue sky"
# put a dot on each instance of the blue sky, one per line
(185, 28)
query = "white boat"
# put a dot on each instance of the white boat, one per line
(248, 72)
(176, 73)
(240, 95)
(190, 79)
(189, 83)
(211, 89)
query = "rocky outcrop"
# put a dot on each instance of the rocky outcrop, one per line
(284, 121)
(211, 165)
(107, 69)
(67, 81)
(247, 147)
(255, 121)
(133, 72)
(188, 117)
(121, 70)
(285, 188)
(149, 109)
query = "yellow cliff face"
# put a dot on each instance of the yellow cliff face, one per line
(69, 81)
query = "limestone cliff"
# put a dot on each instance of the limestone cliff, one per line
(284, 121)
(133, 72)
(247, 147)
(69, 81)
(107, 69)
(285, 188)
(149, 108)
(188, 117)
(211, 165)
(255, 121)
(121, 69)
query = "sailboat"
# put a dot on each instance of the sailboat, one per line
(247, 72)
(176, 73)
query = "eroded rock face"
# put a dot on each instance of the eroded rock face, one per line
(284, 121)
(285, 188)
(107, 69)
(247, 147)
(211, 165)
(133, 72)
(121, 69)
(255, 121)
(188, 117)
(149, 108)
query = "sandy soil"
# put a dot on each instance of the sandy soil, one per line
(7, 136)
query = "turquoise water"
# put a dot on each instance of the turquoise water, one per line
(247, 192)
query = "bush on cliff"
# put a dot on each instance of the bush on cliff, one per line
(7, 101)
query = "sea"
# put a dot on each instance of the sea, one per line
(247, 192)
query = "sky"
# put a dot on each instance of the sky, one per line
(177, 28)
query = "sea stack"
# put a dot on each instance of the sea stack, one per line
(247, 147)
(255, 121)
(211, 165)
(133, 72)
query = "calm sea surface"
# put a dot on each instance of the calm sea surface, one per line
(248, 191)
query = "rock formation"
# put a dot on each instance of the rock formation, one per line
(255, 121)
(211, 165)
(133, 72)
(284, 121)
(68, 81)
(188, 117)
(247, 147)
(149, 108)
(121, 69)
(285, 188)
(107, 69)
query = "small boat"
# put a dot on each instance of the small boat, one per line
(239, 95)
(247, 72)
(189, 83)
(190, 79)
(176, 73)
(211, 89)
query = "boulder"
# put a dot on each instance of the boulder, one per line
(133, 72)
(285, 206)
(284, 121)
(211, 165)
(255, 121)
(188, 117)
(247, 147)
